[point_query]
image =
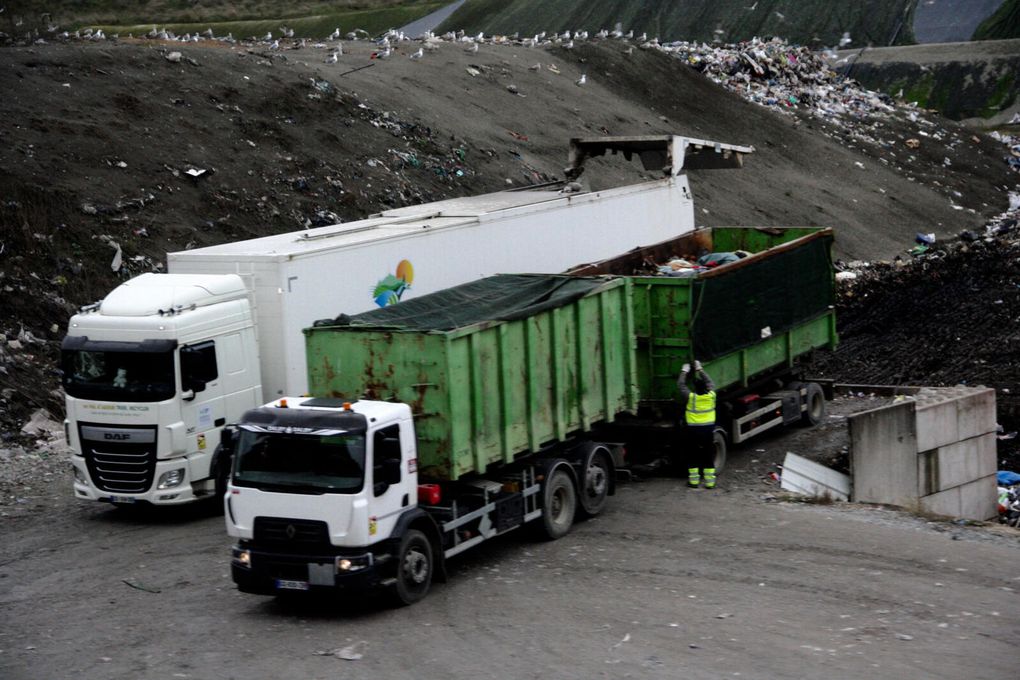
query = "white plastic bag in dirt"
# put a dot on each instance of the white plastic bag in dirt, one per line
(40, 423)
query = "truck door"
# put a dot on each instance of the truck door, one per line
(203, 413)
(390, 479)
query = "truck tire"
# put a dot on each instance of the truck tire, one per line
(596, 480)
(814, 400)
(559, 503)
(719, 442)
(414, 569)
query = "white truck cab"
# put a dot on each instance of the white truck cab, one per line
(151, 374)
(327, 480)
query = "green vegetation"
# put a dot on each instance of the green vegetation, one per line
(308, 18)
(1003, 95)
(875, 22)
(1004, 24)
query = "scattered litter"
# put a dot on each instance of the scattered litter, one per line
(174, 57)
(138, 586)
(352, 652)
(473, 71)
(118, 257)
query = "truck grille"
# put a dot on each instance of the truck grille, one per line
(119, 459)
(280, 532)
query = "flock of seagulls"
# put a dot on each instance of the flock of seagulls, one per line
(393, 41)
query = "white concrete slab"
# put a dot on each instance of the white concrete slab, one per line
(809, 478)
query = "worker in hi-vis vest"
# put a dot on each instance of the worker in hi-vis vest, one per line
(699, 419)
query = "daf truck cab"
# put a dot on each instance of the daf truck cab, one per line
(151, 375)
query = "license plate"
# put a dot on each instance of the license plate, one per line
(283, 584)
(122, 499)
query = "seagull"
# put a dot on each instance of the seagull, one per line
(268, 35)
(582, 80)
(382, 55)
(536, 67)
(335, 34)
(569, 45)
(845, 40)
(417, 55)
(332, 58)
(275, 45)
(473, 48)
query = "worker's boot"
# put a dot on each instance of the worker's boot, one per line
(693, 477)
(709, 478)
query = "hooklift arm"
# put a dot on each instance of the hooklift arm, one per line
(668, 153)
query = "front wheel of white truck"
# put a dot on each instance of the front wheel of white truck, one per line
(414, 568)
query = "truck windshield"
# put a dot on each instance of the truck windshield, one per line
(321, 462)
(118, 376)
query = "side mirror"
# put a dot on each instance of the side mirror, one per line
(391, 470)
(387, 473)
(228, 438)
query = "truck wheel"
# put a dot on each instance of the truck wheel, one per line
(719, 442)
(595, 482)
(414, 568)
(814, 399)
(559, 502)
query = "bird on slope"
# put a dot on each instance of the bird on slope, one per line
(417, 55)
(582, 80)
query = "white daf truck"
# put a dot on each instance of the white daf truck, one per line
(154, 371)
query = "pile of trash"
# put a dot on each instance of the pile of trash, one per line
(1012, 142)
(688, 266)
(1009, 497)
(777, 74)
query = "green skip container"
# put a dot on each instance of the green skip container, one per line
(493, 370)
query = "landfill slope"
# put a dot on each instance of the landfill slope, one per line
(117, 152)
(808, 22)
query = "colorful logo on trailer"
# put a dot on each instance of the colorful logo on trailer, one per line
(390, 288)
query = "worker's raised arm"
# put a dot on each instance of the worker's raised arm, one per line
(681, 383)
(710, 386)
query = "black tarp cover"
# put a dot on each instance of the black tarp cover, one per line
(503, 297)
(780, 291)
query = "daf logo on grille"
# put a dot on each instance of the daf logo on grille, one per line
(290, 531)
(117, 436)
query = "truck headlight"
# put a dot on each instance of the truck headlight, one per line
(169, 480)
(241, 557)
(345, 565)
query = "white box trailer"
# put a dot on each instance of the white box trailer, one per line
(154, 371)
(350, 268)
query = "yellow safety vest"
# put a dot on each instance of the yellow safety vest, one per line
(701, 409)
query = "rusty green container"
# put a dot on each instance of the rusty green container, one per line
(490, 392)
(746, 319)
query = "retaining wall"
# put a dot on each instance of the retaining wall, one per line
(935, 451)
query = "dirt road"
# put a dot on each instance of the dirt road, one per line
(668, 583)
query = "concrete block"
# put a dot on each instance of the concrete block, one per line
(955, 464)
(976, 413)
(937, 424)
(974, 500)
(883, 455)
(978, 499)
(946, 503)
